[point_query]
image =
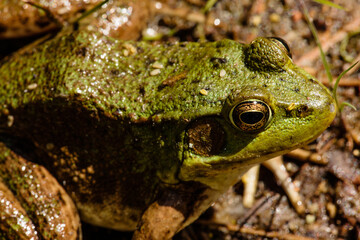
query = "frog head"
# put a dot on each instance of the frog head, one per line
(275, 108)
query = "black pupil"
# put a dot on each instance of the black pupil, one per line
(251, 117)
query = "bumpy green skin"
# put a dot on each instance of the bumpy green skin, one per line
(114, 132)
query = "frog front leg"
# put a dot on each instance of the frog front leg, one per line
(159, 222)
(33, 205)
(173, 210)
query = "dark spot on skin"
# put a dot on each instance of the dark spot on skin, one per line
(139, 49)
(81, 10)
(81, 51)
(303, 111)
(114, 72)
(142, 90)
(281, 79)
(172, 61)
(312, 80)
(14, 29)
(264, 85)
(24, 20)
(133, 217)
(42, 22)
(149, 61)
(60, 198)
(220, 44)
(217, 62)
(206, 136)
(303, 108)
(297, 89)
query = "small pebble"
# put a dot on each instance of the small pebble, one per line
(293, 226)
(49, 146)
(290, 107)
(222, 73)
(131, 49)
(6, 111)
(157, 65)
(297, 15)
(155, 72)
(322, 187)
(291, 167)
(256, 20)
(32, 86)
(203, 92)
(90, 169)
(356, 152)
(82, 176)
(310, 219)
(313, 208)
(331, 208)
(10, 121)
(275, 18)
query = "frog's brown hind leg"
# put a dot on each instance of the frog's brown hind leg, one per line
(33, 203)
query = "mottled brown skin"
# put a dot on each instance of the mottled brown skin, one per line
(33, 205)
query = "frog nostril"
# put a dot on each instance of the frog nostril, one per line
(303, 111)
(303, 108)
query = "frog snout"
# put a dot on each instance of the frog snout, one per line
(322, 109)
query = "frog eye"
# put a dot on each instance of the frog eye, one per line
(250, 115)
(281, 43)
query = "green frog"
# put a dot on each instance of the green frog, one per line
(142, 137)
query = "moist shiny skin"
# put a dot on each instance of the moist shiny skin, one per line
(121, 123)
